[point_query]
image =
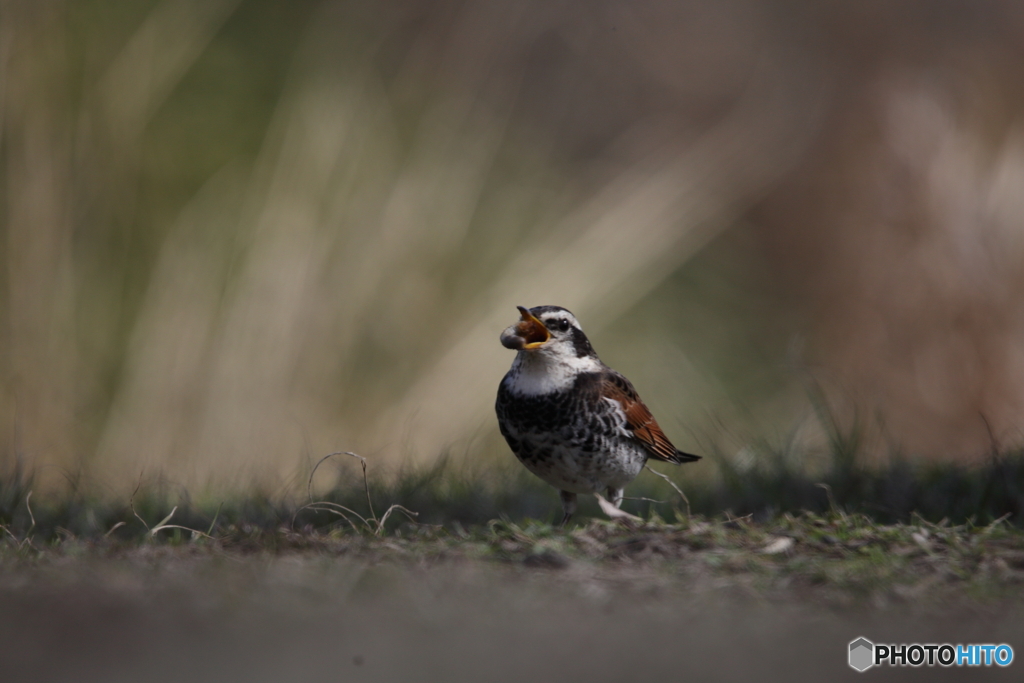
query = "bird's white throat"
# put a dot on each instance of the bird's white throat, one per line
(536, 373)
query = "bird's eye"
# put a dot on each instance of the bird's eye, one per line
(560, 324)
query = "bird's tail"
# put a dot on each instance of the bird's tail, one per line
(679, 458)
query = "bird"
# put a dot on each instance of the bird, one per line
(570, 419)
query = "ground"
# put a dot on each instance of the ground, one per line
(709, 599)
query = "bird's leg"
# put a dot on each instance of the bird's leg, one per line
(568, 506)
(615, 496)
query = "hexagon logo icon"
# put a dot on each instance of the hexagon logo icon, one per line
(862, 654)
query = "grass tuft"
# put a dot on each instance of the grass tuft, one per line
(462, 494)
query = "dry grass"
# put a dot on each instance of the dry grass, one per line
(237, 234)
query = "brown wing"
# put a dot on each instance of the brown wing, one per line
(640, 421)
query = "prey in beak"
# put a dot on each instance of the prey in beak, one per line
(528, 333)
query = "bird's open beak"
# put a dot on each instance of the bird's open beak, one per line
(528, 333)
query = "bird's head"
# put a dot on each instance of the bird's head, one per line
(548, 330)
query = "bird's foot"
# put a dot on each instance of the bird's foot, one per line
(568, 507)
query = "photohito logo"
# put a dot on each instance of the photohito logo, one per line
(864, 654)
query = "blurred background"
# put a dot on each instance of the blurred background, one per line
(236, 235)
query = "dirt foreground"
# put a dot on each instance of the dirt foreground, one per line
(723, 602)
